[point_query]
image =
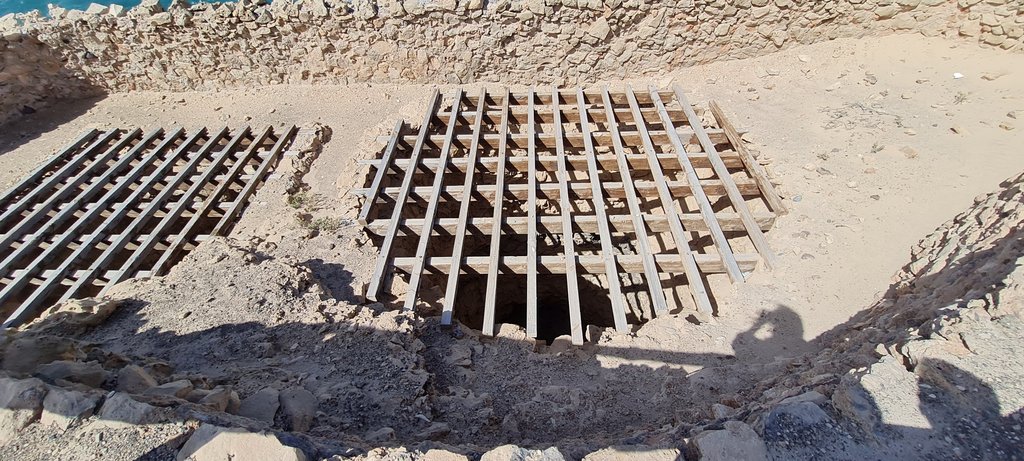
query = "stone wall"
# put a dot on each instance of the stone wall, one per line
(207, 46)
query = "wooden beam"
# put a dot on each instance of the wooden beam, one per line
(380, 269)
(565, 208)
(531, 212)
(749, 162)
(460, 234)
(650, 269)
(570, 114)
(569, 96)
(253, 181)
(721, 243)
(590, 264)
(738, 202)
(729, 221)
(668, 203)
(382, 170)
(431, 213)
(575, 140)
(56, 159)
(607, 250)
(494, 253)
(607, 162)
(135, 226)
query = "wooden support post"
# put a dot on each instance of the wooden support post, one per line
(668, 203)
(607, 250)
(380, 269)
(650, 270)
(428, 219)
(738, 202)
(460, 234)
(499, 200)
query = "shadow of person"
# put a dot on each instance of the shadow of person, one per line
(966, 415)
(777, 333)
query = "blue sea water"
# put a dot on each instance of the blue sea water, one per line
(23, 6)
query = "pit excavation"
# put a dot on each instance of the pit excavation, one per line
(416, 231)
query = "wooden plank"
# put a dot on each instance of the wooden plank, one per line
(569, 96)
(253, 181)
(14, 211)
(729, 221)
(607, 250)
(570, 114)
(752, 165)
(428, 219)
(78, 225)
(607, 162)
(98, 176)
(713, 187)
(386, 162)
(380, 269)
(650, 270)
(531, 213)
(568, 245)
(26, 223)
(547, 140)
(88, 242)
(721, 243)
(186, 200)
(163, 264)
(668, 203)
(590, 264)
(491, 293)
(460, 233)
(30, 182)
(150, 211)
(738, 202)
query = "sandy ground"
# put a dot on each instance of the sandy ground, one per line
(832, 119)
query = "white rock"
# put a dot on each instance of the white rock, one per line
(736, 442)
(62, 408)
(215, 443)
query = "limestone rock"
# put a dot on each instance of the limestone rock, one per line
(299, 408)
(435, 431)
(120, 410)
(62, 408)
(134, 379)
(89, 373)
(635, 453)
(215, 443)
(515, 453)
(736, 441)
(599, 29)
(25, 353)
(179, 389)
(383, 434)
(21, 404)
(793, 417)
(220, 399)
(261, 406)
(879, 397)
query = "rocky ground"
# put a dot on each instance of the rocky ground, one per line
(260, 343)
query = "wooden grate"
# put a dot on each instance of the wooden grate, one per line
(119, 204)
(558, 167)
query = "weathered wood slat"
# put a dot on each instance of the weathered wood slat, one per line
(460, 234)
(568, 244)
(646, 256)
(27, 185)
(607, 162)
(253, 181)
(382, 170)
(607, 251)
(575, 140)
(379, 270)
(590, 264)
(735, 196)
(531, 211)
(431, 213)
(494, 253)
(749, 162)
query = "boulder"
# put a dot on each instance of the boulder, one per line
(794, 418)
(261, 406)
(134, 379)
(26, 353)
(515, 453)
(435, 431)
(62, 408)
(120, 410)
(180, 389)
(220, 398)
(299, 408)
(635, 453)
(215, 443)
(91, 374)
(737, 441)
(442, 455)
(383, 434)
(21, 404)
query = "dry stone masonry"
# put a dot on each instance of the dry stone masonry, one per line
(207, 46)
